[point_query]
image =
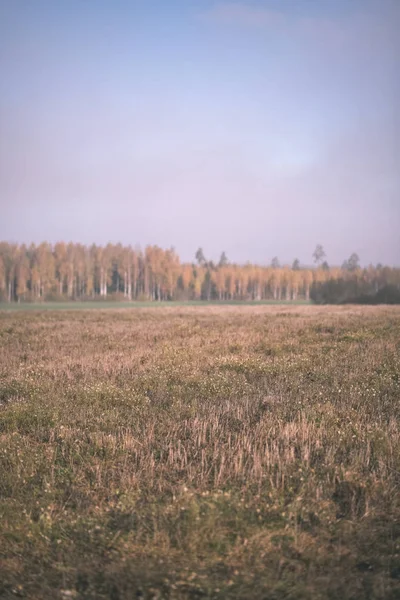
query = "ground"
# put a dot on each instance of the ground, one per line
(235, 452)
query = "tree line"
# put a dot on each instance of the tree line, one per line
(47, 272)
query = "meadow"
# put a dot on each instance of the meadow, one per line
(210, 452)
(121, 304)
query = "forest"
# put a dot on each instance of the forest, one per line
(61, 271)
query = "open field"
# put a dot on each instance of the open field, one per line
(247, 452)
(103, 304)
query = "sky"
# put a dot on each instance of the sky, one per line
(259, 128)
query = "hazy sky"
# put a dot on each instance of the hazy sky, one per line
(256, 127)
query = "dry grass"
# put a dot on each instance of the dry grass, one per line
(213, 452)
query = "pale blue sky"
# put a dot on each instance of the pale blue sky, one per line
(259, 128)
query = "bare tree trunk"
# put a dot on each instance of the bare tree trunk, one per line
(129, 290)
(70, 286)
(135, 285)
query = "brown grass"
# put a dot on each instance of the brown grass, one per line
(211, 452)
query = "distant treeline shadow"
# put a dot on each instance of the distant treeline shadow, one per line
(344, 291)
